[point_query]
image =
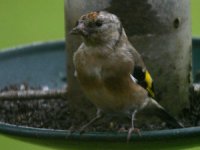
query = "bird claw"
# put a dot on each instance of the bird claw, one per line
(82, 129)
(71, 129)
(131, 130)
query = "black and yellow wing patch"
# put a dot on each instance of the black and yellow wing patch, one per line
(144, 79)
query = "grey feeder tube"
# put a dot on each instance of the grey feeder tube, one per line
(159, 30)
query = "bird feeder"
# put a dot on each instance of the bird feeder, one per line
(54, 138)
(159, 30)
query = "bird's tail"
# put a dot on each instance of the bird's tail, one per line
(159, 111)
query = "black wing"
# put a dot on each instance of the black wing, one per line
(144, 79)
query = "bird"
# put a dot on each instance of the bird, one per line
(111, 72)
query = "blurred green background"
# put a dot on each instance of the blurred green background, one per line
(27, 21)
(23, 22)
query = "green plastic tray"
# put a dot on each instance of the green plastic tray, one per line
(31, 63)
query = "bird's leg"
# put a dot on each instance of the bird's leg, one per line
(97, 117)
(133, 129)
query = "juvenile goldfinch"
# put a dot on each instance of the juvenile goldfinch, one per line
(111, 72)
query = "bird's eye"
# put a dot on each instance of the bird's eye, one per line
(98, 23)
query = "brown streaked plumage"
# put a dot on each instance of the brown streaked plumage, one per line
(106, 69)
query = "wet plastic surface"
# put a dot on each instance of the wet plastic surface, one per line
(40, 64)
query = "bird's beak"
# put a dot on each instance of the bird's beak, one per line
(74, 31)
(79, 29)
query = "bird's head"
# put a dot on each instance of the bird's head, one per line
(98, 27)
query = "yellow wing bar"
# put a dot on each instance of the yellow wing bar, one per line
(149, 82)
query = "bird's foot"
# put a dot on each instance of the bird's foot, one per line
(80, 130)
(71, 130)
(83, 128)
(97, 117)
(131, 130)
